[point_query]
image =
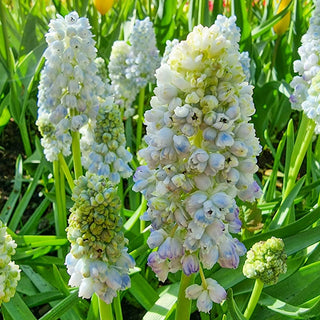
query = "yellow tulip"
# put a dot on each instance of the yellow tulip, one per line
(103, 6)
(282, 26)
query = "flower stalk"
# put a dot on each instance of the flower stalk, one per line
(266, 260)
(254, 298)
(76, 154)
(105, 310)
(301, 145)
(116, 303)
(140, 118)
(60, 214)
(183, 308)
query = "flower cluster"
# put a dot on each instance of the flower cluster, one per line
(9, 271)
(103, 145)
(306, 96)
(201, 155)
(266, 260)
(98, 261)
(69, 85)
(132, 65)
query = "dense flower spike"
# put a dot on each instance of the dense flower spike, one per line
(132, 65)
(266, 260)
(305, 96)
(201, 155)
(98, 260)
(9, 271)
(103, 145)
(69, 85)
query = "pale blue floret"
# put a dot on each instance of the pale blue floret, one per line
(171, 248)
(305, 84)
(61, 97)
(156, 238)
(132, 66)
(190, 264)
(200, 155)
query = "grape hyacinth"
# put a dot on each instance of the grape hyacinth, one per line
(103, 145)
(201, 155)
(69, 85)
(9, 271)
(266, 260)
(305, 96)
(132, 66)
(98, 261)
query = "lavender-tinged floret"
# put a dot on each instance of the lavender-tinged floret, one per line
(306, 84)
(200, 157)
(103, 145)
(98, 261)
(9, 271)
(132, 65)
(69, 85)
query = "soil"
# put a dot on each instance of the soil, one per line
(10, 148)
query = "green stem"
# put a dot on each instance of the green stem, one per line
(201, 7)
(60, 216)
(25, 135)
(76, 154)
(105, 310)
(317, 150)
(255, 295)
(203, 278)
(304, 138)
(140, 118)
(62, 190)
(274, 56)
(183, 308)
(143, 206)
(117, 307)
(66, 171)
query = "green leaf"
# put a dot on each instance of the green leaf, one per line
(17, 309)
(295, 312)
(266, 26)
(142, 291)
(15, 194)
(239, 9)
(26, 198)
(289, 148)
(165, 22)
(299, 287)
(165, 305)
(39, 282)
(233, 308)
(32, 224)
(62, 307)
(302, 240)
(40, 241)
(282, 216)
(270, 195)
(43, 298)
(4, 117)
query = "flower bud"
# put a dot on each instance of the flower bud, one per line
(281, 26)
(103, 6)
(266, 260)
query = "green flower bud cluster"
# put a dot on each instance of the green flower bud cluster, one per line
(104, 145)
(98, 261)
(94, 224)
(266, 260)
(9, 271)
(112, 133)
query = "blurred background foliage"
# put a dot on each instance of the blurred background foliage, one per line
(272, 40)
